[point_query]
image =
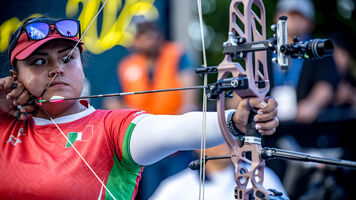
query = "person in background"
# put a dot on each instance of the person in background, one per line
(219, 184)
(304, 92)
(346, 65)
(156, 64)
(306, 88)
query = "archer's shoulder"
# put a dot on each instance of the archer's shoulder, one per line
(120, 115)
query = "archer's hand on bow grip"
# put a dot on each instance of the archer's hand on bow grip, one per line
(265, 117)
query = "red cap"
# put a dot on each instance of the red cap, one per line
(25, 46)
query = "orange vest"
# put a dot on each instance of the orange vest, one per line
(133, 73)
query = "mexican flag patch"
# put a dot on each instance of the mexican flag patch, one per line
(79, 136)
(72, 137)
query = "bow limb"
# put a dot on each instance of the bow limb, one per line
(246, 169)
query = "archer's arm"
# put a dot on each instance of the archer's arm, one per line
(158, 136)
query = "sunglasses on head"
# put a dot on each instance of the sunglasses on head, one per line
(39, 28)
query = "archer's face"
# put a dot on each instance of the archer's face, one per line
(36, 71)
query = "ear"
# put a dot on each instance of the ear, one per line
(13, 74)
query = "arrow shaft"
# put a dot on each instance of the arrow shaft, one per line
(125, 93)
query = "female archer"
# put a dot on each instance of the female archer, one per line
(71, 150)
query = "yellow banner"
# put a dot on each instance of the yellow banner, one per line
(115, 29)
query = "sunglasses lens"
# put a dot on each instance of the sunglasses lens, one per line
(67, 28)
(37, 31)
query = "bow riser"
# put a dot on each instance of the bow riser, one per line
(247, 24)
(254, 29)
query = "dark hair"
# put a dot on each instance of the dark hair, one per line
(144, 27)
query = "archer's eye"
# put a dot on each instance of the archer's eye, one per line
(66, 59)
(39, 61)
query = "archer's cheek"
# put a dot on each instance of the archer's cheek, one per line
(32, 85)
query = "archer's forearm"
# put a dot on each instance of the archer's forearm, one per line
(158, 136)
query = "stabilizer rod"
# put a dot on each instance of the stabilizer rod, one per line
(270, 153)
(274, 153)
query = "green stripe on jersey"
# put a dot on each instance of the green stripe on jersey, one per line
(123, 175)
(122, 181)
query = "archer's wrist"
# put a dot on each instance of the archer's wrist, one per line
(236, 132)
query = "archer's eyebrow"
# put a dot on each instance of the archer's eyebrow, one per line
(39, 53)
(45, 54)
(65, 49)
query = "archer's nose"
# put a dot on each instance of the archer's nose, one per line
(56, 70)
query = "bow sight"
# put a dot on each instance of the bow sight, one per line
(237, 47)
(311, 49)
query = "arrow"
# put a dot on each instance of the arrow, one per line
(58, 99)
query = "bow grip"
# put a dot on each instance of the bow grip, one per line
(251, 126)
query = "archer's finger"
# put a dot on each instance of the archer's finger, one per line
(20, 115)
(23, 98)
(269, 132)
(271, 105)
(9, 81)
(265, 116)
(20, 112)
(253, 103)
(5, 86)
(28, 108)
(14, 112)
(269, 127)
(16, 92)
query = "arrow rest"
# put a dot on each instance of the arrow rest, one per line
(226, 85)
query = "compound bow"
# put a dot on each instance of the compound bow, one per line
(247, 42)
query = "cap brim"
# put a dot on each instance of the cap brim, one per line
(33, 47)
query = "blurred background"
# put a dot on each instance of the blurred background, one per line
(109, 40)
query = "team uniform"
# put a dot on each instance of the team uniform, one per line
(37, 162)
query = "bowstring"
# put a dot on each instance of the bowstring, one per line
(86, 30)
(203, 136)
(52, 120)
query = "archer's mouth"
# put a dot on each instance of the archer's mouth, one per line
(58, 84)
